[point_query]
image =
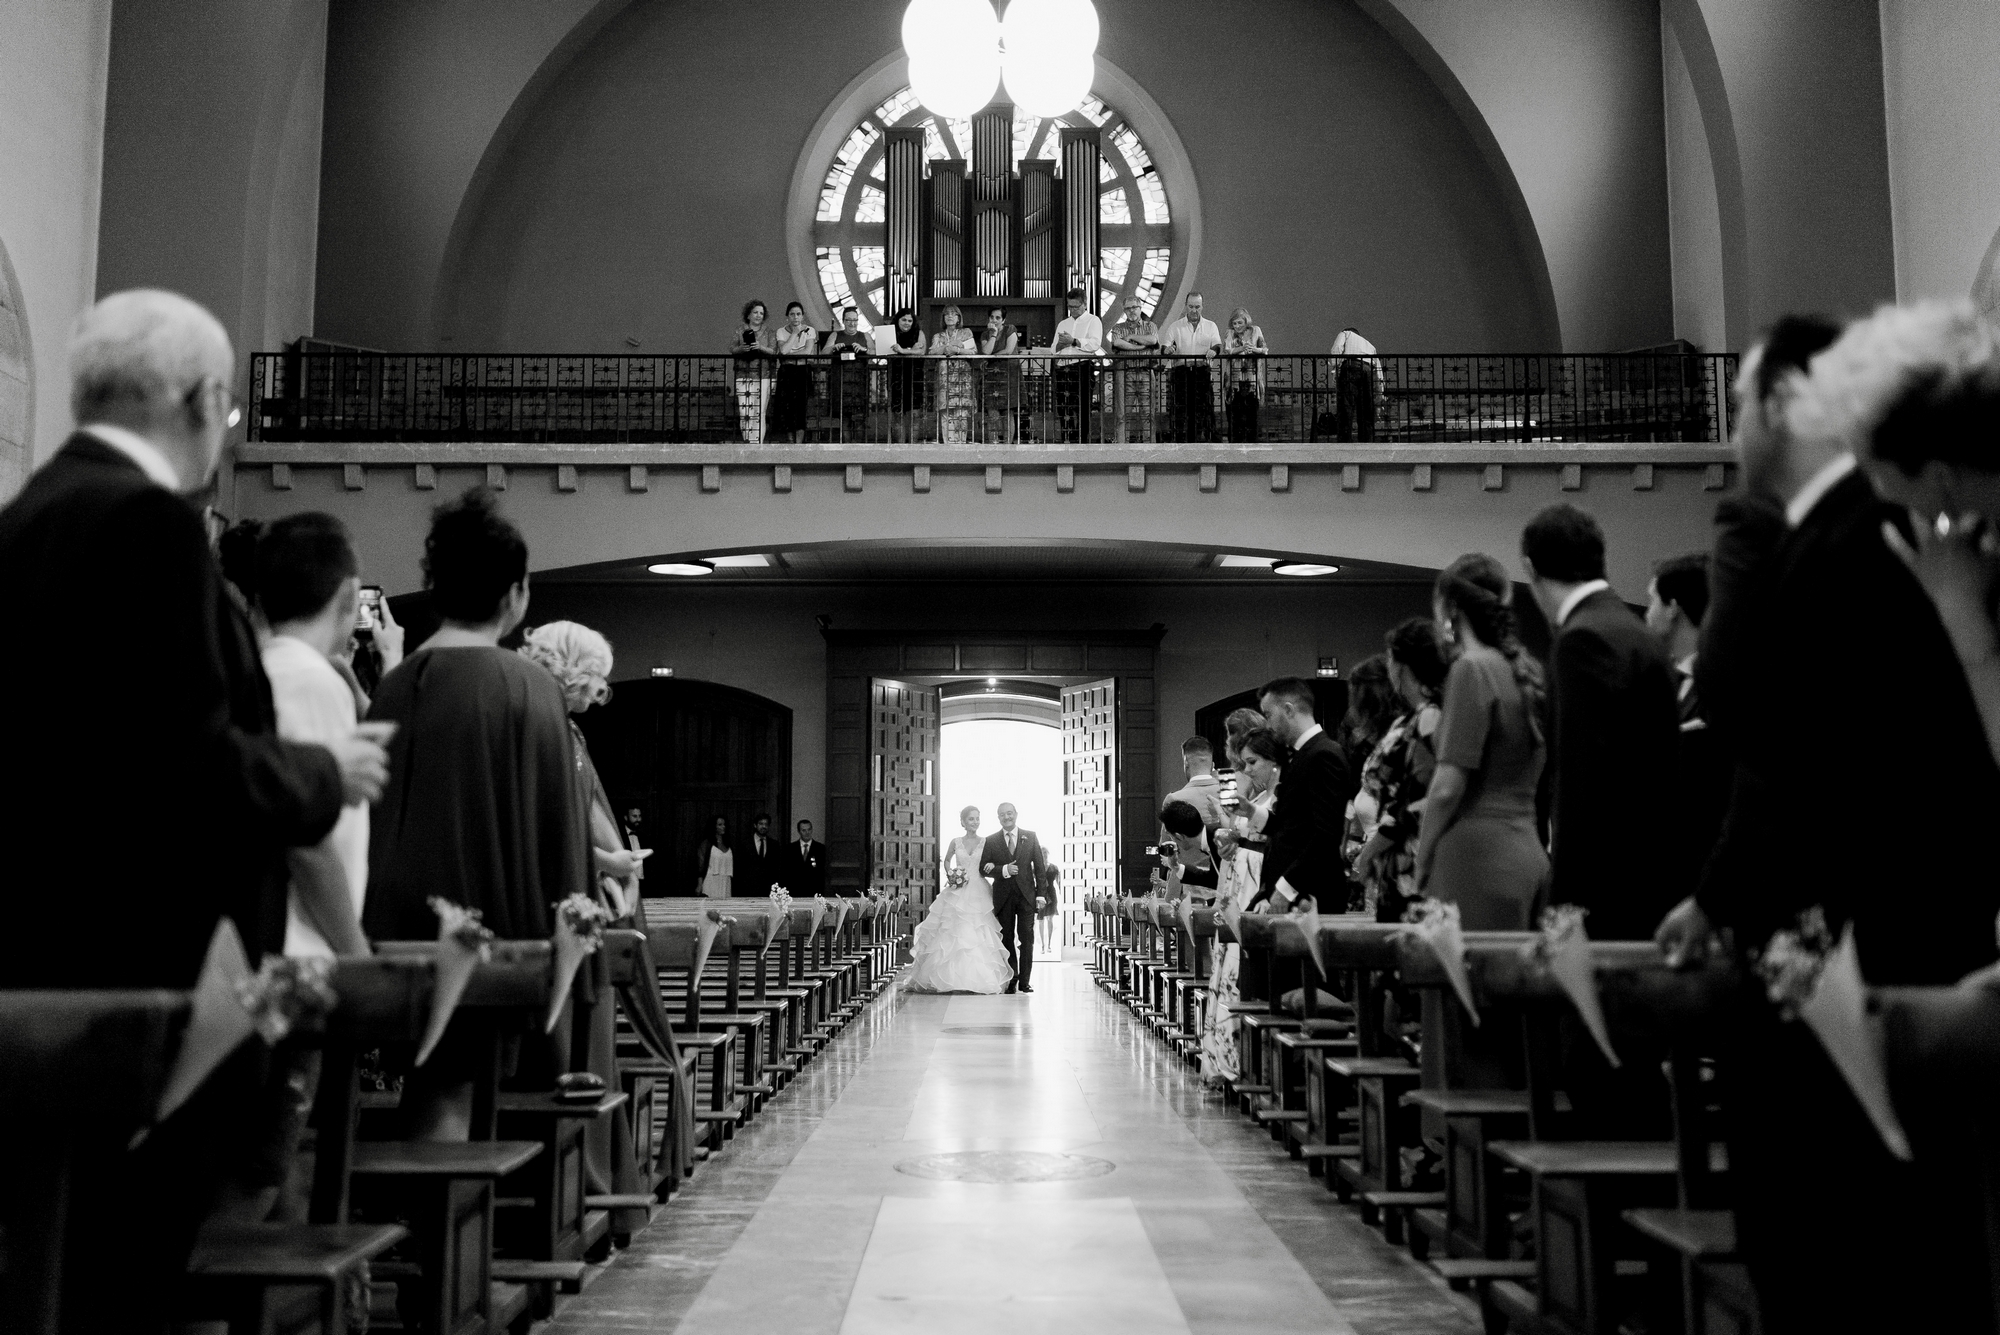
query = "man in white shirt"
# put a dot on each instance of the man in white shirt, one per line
(1078, 339)
(308, 586)
(1203, 791)
(1190, 387)
(1357, 378)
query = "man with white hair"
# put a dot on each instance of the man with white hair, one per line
(147, 793)
(1834, 630)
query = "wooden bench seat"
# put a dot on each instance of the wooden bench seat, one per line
(558, 1226)
(252, 1277)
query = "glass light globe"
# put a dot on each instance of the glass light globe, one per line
(1048, 86)
(958, 84)
(1050, 28)
(942, 28)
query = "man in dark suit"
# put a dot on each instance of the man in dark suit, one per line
(758, 864)
(1302, 859)
(160, 713)
(802, 870)
(1677, 603)
(1805, 1160)
(1014, 863)
(1613, 744)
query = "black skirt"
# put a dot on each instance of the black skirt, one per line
(790, 402)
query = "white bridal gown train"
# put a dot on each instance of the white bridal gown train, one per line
(958, 943)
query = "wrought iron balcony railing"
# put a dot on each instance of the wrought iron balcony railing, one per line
(1395, 398)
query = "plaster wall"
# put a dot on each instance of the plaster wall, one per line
(53, 59)
(1943, 102)
(1693, 212)
(212, 159)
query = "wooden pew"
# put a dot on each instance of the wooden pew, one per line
(83, 1073)
(443, 1192)
(653, 1071)
(674, 946)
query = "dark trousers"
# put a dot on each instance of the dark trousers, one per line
(1244, 412)
(1354, 401)
(1017, 933)
(1190, 404)
(1076, 385)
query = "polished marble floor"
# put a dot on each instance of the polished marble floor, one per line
(1167, 1213)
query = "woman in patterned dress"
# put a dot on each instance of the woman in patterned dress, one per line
(956, 398)
(1398, 772)
(1238, 870)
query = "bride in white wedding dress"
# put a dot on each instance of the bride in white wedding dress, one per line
(958, 943)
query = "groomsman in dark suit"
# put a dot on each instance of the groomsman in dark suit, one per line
(1014, 863)
(758, 864)
(1613, 744)
(803, 867)
(1302, 860)
(1677, 603)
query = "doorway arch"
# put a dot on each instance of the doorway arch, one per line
(680, 753)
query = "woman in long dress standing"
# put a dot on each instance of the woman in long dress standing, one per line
(715, 865)
(957, 945)
(956, 398)
(1239, 871)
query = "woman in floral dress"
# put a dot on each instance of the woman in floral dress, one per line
(1239, 871)
(956, 396)
(1398, 772)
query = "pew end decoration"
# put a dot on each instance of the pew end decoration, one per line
(580, 924)
(1563, 948)
(1308, 922)
(710, 925)
(1813, 979)
(780, 914)
(1436, 924)
(218, 1022)
(463, 944)
(287, 994)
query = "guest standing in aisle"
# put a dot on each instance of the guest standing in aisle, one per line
(1302, 861)
(804, 866)
(715, 863)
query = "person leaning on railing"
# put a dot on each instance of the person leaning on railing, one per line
(753, 346)
(1190, 387)
(906, 376)
(1245, 346)
(1000, 383)
(791, 405)
(1079, 339)
(849, 347)
(956, 397)
(1133, 337)
(1357, 379)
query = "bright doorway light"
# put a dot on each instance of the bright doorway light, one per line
(984, 762)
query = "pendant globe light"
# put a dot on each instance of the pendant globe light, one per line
(1048, 57)
(954, 50)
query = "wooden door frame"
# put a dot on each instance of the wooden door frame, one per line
(854, 658)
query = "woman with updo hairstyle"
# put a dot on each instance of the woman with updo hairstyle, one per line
(1263, 759)
(1374, 711)
(482, 807)
(1479, 848)
(1398, 773)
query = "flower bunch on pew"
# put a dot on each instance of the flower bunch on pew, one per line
(287, 993)
(1811, 977)
(1563, 948)
(1436, 924)
(464, 943)
(781, 909)
(580, 924)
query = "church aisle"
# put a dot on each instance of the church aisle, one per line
(856, 1203)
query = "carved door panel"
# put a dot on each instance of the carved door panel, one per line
(1089, 849)
(902, 805)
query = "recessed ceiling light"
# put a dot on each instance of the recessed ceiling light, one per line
(1304, 568)
(748, 561)
(679, 568)
(1248, 562)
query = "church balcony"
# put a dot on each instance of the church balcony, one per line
(675, 407)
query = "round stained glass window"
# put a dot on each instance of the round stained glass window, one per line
(1136, 220)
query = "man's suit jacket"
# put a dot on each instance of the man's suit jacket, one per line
(1616, 734)
(1307, 825)
(755, 875)
(1846, 646)
(1015, 894)
(803, 873)
(146, 791)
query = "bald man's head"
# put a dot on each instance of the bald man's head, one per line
(158, 364)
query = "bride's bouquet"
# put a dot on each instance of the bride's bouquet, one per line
(954, 878)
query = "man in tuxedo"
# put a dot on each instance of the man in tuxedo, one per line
(1014, 863)
(803, 868)
(154, 692)
(758, 866)
(1302, 859)
(1805, 1159)
(1677, 602)
(1616, 724)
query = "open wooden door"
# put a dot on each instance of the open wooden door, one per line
(1089, 849)
(903, 760)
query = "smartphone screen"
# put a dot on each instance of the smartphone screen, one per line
(368, 616)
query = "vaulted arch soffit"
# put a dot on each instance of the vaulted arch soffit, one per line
(1389, 14)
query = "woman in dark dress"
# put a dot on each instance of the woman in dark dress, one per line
(482, 806)
(906, 376)
(791, 405)
(849, 347)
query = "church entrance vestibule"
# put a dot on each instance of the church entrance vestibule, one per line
(886, 710)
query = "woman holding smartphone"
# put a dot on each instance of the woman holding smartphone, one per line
(755, 348)
(795, 341)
